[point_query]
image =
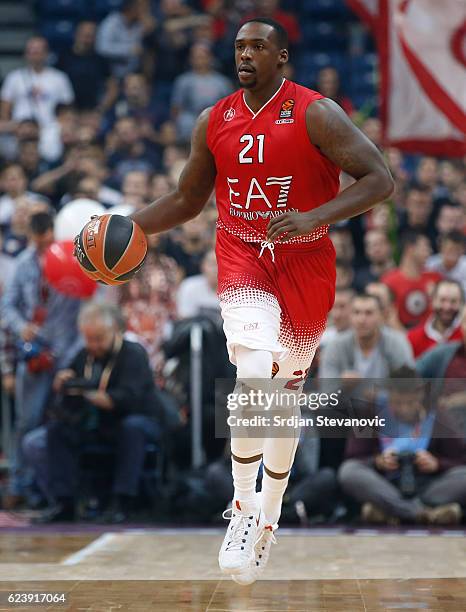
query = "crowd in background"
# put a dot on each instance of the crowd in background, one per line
(110, 120)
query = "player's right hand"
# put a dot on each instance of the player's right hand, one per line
(387, 461)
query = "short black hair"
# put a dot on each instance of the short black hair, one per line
(369, 296)
(454, 236)
(280, 32)
(40, 223)
(410, 237)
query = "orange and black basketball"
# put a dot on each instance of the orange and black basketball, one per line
(111, 249)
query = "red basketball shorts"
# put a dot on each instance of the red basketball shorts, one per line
(275, 299)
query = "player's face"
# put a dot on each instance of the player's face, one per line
(257, 56)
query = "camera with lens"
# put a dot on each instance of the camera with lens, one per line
(77, 386)
(407, 482)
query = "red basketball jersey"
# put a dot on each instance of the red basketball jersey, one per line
(266, 163)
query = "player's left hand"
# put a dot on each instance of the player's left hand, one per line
(292, 224)
(426, 462)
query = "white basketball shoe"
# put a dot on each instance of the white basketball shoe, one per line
(237, 552)
(261, 556)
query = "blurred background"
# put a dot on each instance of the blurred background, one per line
(108, 393)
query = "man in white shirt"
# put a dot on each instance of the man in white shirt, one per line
(34, 92)
(199, 292)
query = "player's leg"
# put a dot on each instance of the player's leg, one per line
(252, 341)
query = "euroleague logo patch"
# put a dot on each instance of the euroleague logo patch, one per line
(286, 112)
(92, 231)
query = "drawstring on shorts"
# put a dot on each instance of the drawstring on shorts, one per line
(265, 244)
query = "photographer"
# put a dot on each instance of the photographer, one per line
(41, 324)
(414, 469)
(107, 395)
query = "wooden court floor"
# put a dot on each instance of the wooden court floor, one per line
(176, 570)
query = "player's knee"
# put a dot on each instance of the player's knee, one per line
(252, 363)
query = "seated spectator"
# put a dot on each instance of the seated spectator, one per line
(447, 364)
(148, 301)
(328, 84)
(379, 254)
(137, 102)
(198, 293)
(451, 217)
(188, 244)
(113, 402)
(343, 243)
(120, 36)
(427, 173)
(30, 160)
(417, 214)
(368, 349)
(450, 261)
(197, 89)
(416, 474)
(160, 186)
(451, 175)
(443, 325)
(387, 301)
(339, 316)
(344, 275)
(14, 185)
(411, 282)
(128, 150)
(88, 72)
(34, 92)
(135, 189)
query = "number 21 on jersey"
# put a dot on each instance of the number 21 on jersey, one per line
(248, 139)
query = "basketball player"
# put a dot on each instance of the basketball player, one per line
(273, 150)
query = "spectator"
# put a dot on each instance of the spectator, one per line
(368, 349)
(118, 406)
(410, 282)
(34, 92)
(148, 301)
(120, 36)
(188, 244)
(447, 364)
(88, 72)
(418, 213)
(451, 175)
(444, 323)
(451, 260)
(343, 243)
(271, 9)
(345, 275)
(387, 301)
(14, 185)
(451, 217)
(328, 84)
(30, 160)
(417, 474)
(427, 173)
(129, 151)
(135, 189)
(198, 293)
(137, 102)
(160, 186)
(39, 318)
(340, 315)
(379, 254)
(196, 90)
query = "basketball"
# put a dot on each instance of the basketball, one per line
(111, 249)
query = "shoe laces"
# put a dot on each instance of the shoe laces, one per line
(239, 527)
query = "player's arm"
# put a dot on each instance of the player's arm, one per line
(194, 187)
(334, 134)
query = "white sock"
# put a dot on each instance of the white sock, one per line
(244, 482)
(272, 493)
